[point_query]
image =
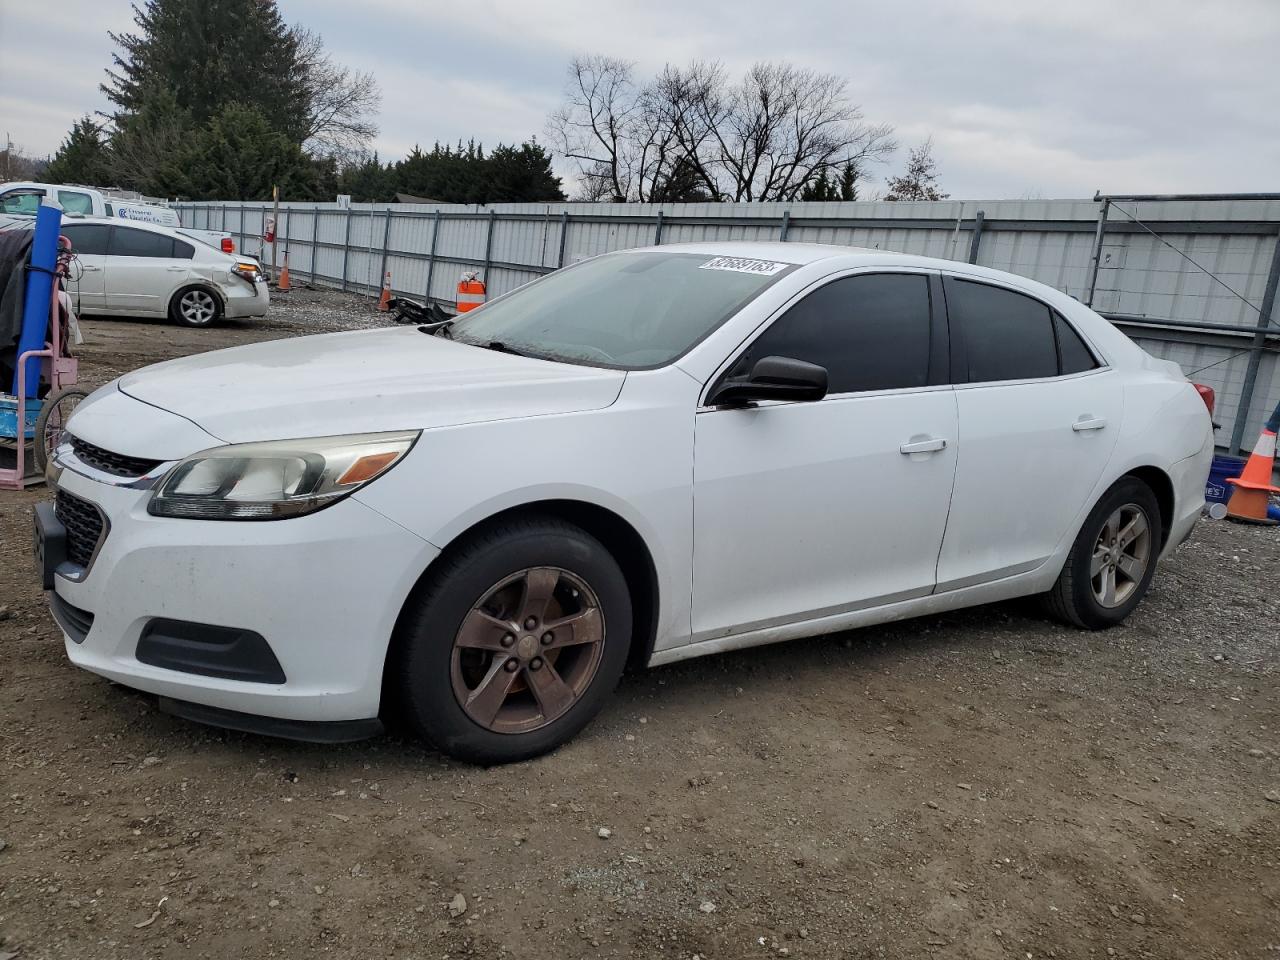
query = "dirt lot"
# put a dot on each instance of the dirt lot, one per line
(982, 784)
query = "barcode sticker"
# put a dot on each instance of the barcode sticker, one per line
(764, 268)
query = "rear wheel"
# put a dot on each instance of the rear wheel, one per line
(196, 307)
(55, 410)
(1112, 561)
(515, 642)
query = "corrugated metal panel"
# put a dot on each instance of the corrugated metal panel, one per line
(1139, 275)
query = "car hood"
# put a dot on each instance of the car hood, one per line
(396, 379)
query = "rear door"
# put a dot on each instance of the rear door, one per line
(88, 280)
(1039, 417)
(144, 270)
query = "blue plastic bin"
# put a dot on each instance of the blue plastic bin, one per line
(9, 417)
(1216, 489)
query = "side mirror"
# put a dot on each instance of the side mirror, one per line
(773, 378)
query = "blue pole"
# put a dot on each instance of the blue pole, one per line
(35, 308)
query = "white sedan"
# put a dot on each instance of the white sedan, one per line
(651, 455)
(146, 270)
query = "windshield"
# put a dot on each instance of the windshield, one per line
(625, 310)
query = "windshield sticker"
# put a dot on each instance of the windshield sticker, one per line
(764, 268)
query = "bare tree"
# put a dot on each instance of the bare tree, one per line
(920, 180)
(341, 103)
(596, 126)
(691, 132)
(17, 164)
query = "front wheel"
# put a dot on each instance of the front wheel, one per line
(54, 412)
(1112, 561)
(196, 307)
(514, 643)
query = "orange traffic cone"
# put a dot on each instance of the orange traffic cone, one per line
(384, 302)
(1248, 504)
(283, 284)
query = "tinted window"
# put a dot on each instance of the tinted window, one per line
(1073, 355)
(183, 250)
(127, 242)
(87, 239)
(870, 332)
(75, 202)
(1007, 336)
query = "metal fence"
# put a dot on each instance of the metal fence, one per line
(1192, 278)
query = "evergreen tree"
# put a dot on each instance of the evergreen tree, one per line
(211, 53)
(920, 181)
(238, 156)
(150, 148)
(82, 158)
(820, 188)
(683, 184)
(518, 175)
(850, 174)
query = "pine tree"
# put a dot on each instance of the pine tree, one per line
(238, 156)
(920, 181)
(83, 156)
(211, 53)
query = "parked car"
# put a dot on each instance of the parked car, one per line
(20, 199)
(648, 456)
(145, 270)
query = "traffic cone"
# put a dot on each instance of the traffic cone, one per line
(283, 283)
(384, 302)
(1249, 502)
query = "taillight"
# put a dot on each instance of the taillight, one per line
(1207, 395)
(228, 245)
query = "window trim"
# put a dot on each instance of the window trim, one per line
(959, 348)
(940, 361)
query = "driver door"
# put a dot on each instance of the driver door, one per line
(807, 510)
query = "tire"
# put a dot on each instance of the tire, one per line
(1080, 596)
(195, 307)
(474, 616)
(54, 412)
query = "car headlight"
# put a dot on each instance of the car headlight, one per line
(247, 271)
(276, 479)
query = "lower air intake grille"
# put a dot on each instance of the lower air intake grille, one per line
(85, 526)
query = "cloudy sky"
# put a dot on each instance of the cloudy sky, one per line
(1023, 98)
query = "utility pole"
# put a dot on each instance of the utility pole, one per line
(275, 229)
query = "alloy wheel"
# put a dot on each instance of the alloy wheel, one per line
(1121, 556)
(197, 306)
(528, 650)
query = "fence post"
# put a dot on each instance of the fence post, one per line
(346, 248)
(1255, 350)
(564, 235)
(786, 224)
(976, 239)
(657, 232)
(1097, 252)
(315, 236)
(431, 257)
(488, 243)
(386, 238)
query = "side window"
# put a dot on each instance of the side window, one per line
(1073, 355)
(183, 250)
(73, 201)
(24, 203)
(87, 239)
(871, 332)
(1007, 336)
(127, 242)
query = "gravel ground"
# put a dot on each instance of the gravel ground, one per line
(981, 784)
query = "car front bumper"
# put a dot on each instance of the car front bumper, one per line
(322, 591)
(239, 301)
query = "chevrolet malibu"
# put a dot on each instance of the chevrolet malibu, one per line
(656, 454)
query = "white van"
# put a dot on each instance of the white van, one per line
(22, 198)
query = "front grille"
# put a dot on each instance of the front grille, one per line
(116, 464)
(85, 526)
(76, 623)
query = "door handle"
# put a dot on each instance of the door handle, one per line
(1088, 423)
(87, 268)
(175, 269)
(931, 445)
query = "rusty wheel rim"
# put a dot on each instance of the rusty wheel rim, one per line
(1120, 556)
(528, 650)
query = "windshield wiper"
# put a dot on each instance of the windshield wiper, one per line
(500, 347)
(440, 328)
